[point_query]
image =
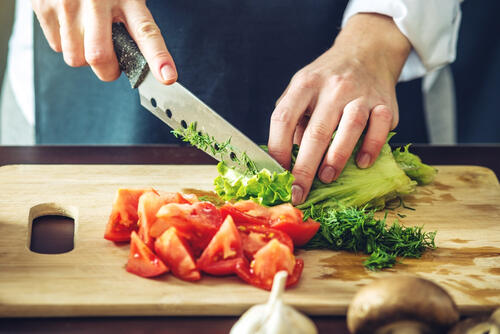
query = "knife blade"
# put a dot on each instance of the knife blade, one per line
(178, 108)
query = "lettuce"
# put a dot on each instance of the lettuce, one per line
(264, 187)
(413, 166)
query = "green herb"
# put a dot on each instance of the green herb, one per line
(207, 143)
(358, 230)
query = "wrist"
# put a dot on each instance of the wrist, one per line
(374, 41)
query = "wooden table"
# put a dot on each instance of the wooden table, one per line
(487, 156)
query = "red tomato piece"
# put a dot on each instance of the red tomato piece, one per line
(175, 253)
(286, 218)
(197, 223)
(142, 261)
(253, 209)
(240, 217)
(223, 251)
(254, 237)
(149, 204)
(123, 218)
(267, 262)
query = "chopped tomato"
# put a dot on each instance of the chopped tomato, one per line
(221, 254)
(253, 209)
(123, 218)
(254, 237)
(240, 217)
(149, 204)
(142, 261)
(175, 253)
(267, 262)
(197, 222)
(286, 218)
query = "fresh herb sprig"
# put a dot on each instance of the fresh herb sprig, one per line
(205, 142)
(358, 230)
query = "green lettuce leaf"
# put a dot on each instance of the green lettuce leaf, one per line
(264, 187)
(413, 166)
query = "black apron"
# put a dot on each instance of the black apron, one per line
(236, 56)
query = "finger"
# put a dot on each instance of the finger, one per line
(71, 33)
(50, 25)
(380, 123)
(145, 32)
(315, 141)
(284, 121)
(351, 125)
(99, 51)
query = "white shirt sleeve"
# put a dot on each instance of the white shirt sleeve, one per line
(431, 26)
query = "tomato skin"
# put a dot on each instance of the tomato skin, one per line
(222, 253)
(240, 217)
(197, 223)
(254, 237)
(176, 254)
(123, 218)
(142, 261)
(268, 261)
(300, 233)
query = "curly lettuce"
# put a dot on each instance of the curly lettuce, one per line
(413, 166)
(264, 187)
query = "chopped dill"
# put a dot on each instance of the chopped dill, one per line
(358, 230)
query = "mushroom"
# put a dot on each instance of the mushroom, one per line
(401, 304)
(479, 325)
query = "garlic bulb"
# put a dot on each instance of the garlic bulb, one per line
(274, 317)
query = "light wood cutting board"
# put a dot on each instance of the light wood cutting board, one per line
(463, 205)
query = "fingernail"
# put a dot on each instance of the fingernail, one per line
(327, 174)
(364, 160)
(168, 73)
(297, 194)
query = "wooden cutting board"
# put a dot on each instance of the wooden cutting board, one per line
(463, 205)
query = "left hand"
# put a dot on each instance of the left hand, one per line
(349, 87)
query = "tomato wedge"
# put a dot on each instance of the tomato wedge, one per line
(175, 253)
(223, 251)
(197, 223)
(241, 217)
(123, 218)
(270, 259)
(142, 261)
(254, 237)
(149, 204)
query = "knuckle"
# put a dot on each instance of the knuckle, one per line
(68, 6)
(307, 80)
(339, 158)
(374, 143)
(283, 115)
(318, 132)
(383, 114)
(356, 118)
(303, 172)
(98, 56)
(147, 29)
(74, 60)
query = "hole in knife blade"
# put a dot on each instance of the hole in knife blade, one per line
(153, 102)
(169, 113)
(184, 124)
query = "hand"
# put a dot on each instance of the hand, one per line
(81, 29)
(349, 87)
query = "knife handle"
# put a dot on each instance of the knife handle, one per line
(130, 58)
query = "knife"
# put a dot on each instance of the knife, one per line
(178, 107)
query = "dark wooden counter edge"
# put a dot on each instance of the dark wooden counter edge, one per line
(481, 155)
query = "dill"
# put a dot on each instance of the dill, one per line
(358, 230)
(208, 143)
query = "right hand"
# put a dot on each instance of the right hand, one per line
(81, 30)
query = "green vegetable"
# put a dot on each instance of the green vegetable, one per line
(208, 143)
(357, 229)
(413, 166)
(264, 187)
(357, 187)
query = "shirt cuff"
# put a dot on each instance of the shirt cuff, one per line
(431, 26)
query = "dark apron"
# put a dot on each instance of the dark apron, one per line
(237, 56)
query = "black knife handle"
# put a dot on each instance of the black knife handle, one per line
(130, 58)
